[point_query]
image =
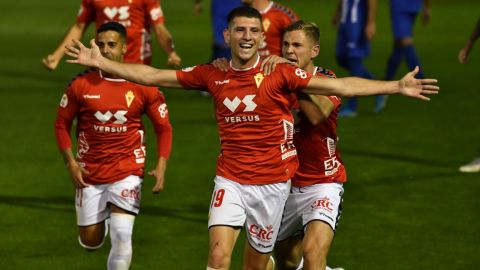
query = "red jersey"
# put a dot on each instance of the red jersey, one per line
(254, 119)
(110, 134)
(138, 16)
(275, 19)
(320, 160)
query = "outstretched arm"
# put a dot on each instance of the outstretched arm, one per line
(353, 86)
(76, 31)
(138, 73)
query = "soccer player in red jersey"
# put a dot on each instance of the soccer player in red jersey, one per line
(257, 156)
(275, 19)
(313, 207)
(137, 16)
(109, 165)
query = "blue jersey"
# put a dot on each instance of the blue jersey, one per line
(220, 10)
(354, 12)
(406, 5)
(351, 38)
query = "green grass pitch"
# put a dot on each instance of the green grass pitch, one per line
(406, 206)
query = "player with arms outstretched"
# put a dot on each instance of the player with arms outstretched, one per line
(275, 18)
(109, 165)
(313, 205)
(257, 156)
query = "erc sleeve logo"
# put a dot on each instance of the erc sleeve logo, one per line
(232, 105)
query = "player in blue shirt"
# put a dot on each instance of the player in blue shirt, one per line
(403, 14)
(219, 13)
(356, 27)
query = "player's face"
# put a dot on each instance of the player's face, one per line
(244, 35)
(111, 45)
(298, 48)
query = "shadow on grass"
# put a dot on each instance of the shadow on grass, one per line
(192, 213)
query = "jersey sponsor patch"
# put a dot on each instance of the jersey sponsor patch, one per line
(156, 13)
(64, 101)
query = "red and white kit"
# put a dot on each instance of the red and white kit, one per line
(137, 16)
(254, 119)
(317, 188)
(110, 134)
(275, 19)
(257, 156)
(320, 160)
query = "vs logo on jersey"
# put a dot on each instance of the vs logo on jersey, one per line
(112, 12)
(232, 105)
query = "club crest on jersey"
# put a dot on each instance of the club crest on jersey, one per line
(258, 79)
(129, 96)
(266, 24)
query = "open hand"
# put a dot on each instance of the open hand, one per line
(82, 55)
(417, 88)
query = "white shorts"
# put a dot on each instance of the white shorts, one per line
(258, 208)
(91, 202)
(316, 202)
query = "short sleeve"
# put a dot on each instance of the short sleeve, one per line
(194, 77)
(296, 79)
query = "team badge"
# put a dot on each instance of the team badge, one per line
(64, 101)
(258, 79)
(266, 24)
(129, 96)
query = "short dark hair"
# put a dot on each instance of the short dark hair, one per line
(309, 28)
(243, 11)
(113, 26)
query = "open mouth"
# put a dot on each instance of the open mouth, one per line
(246, 46)
(293, 60)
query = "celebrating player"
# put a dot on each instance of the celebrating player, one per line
(109, 165)
(137, 17)
(257, 156)
(275, 18)
(313, 205)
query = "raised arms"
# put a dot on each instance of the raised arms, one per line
(138, 73)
